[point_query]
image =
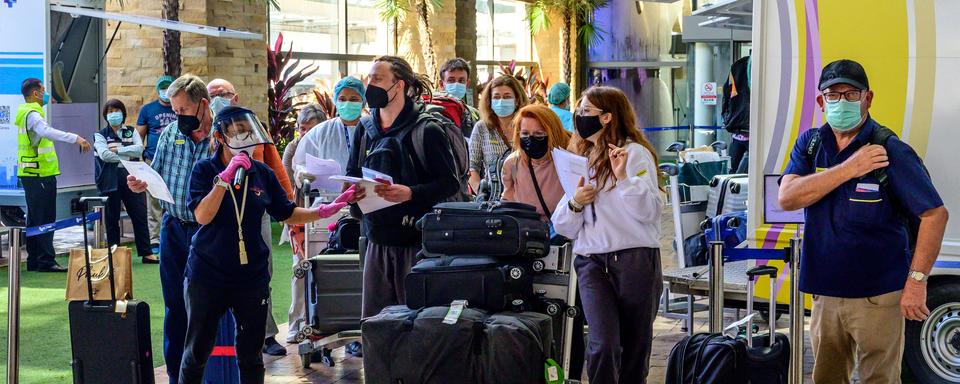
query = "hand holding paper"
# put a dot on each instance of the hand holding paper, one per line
(155, 185)
(570, 169)
(367, 186)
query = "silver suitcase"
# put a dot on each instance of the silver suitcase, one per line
(728, 193)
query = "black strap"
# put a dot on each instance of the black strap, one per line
(536, 185)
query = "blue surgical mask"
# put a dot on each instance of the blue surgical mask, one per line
(458, 90)
(843, 115)
(46, 98)
(218, 104)
(504, 107)
(163, 95)
(349, 110)
(115, 118)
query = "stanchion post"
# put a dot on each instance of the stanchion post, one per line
(13, 308)
(796, 315)
(98, 228)
(716, 286)
(678, 220)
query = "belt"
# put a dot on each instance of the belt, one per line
(184, 223)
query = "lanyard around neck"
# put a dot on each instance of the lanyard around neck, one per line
(239, 210)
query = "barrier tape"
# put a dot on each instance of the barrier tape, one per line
(682, 127)
(62, 224)
(224, 351)
(740, 254)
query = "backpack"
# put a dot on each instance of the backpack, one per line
(437, 113)
(736, 98)
(880, 137)
(345, 238)
(707, 358)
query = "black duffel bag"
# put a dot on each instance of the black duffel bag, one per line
(708, 358)
(485, 282)
(498, 229)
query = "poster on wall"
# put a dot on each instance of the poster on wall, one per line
(708, 93)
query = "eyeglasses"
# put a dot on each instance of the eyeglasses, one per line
(581, 110)
(834, 97)
(536, 135)
(225, 95)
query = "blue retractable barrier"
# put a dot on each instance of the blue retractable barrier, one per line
(222, 365)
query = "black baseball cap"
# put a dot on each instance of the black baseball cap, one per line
(844, 72)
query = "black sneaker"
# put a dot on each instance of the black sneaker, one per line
(354, 349)
(273, 348)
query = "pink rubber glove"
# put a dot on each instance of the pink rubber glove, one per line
(327, 210)
(241, 160)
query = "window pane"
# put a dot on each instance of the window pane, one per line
(484, 31)
(511, 31)
(366, 33)
(326, 76)
(311, 25)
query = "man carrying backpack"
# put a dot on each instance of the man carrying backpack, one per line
(868, 201)
(387, 141)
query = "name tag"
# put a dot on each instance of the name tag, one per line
(179, 142)
(867, 187)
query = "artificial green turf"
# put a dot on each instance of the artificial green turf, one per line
(44, 329)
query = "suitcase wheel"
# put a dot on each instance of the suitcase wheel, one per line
(538, 265)
(305, 265)
(308, 331)
(516, 273)
(553, 309)
(299, 273)
(573, 312)
(300, 337)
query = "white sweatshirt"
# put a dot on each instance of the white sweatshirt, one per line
(627, 216)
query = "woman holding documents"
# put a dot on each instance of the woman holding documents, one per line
(115, 143)
(529, 175)
(227, 266)
(614, 219)
(331, 139)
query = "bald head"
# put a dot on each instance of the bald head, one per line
(223, 88)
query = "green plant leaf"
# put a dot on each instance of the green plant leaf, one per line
(537, 18)
(392, 9)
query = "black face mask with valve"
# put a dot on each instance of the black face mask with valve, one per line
(534, 146)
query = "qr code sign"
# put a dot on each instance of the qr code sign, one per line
(4, 114)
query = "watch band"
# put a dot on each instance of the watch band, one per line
(218, 182)
(918, 276)
(573, 206)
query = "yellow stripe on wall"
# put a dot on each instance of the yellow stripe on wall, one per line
(926, 70)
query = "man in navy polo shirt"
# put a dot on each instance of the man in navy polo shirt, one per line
(859, 193)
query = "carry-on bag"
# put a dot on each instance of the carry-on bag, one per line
(768, 361)
(333, 294)
(728, 193)
(109, 339)
(485, 282)
(501, 229)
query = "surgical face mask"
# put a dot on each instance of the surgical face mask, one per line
(843, 115)
(503, 107)
(246, 143)
(163, 95)
(534, 146)
(378, 97)
(188, 123)
(458, 90)
(114, 118)
(587, 125)
(349, 110)
(218, 104)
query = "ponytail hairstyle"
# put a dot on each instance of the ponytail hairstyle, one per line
(621, 129)
(414, 85)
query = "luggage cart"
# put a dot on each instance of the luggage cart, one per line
(337, 278)
(556, 286)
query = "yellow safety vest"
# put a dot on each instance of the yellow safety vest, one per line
(39, 161)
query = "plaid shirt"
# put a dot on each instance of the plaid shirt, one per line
(174, 160)
(486, 152)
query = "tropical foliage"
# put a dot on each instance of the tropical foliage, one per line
(282, 75)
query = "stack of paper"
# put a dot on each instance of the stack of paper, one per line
(570, 168)
(372, 202)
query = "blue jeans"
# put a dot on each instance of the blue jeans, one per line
(175, 237)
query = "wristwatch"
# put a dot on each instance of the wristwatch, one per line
(574, 206)
(218, 182)
(918, 276)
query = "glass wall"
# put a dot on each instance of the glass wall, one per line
(503, 32)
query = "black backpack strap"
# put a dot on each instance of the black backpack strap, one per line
(880, 136)
(367, 124)
(536, 185)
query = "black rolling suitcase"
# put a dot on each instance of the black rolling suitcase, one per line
(109, 340)
(333, 293)
(499, 229)
(485, 282)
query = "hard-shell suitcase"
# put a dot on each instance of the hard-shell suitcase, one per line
(728, 193)
(467, 345)
(500, 229)
(109, 340)
(333, 294)
(485, 282)
(730, 228)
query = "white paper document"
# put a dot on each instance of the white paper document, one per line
(155, 184)
(323, 169)
(570, 168)
(372, 202)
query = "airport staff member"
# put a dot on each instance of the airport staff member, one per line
(856, 262)
(559, 99)
(37, 168)
(228, 266)
(180, 146)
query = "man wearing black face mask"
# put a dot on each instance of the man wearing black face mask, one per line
(182, 144)
(385, 143)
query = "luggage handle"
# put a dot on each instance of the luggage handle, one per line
(84, 206)
(755, 272)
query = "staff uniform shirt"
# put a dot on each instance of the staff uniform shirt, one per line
(155, 117)
(566, 117)
(214, 250)
(130, 146)
(855, 240)
(624, 217)
(175, 158)
(37, 128)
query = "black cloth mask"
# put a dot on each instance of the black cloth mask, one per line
(534, 146)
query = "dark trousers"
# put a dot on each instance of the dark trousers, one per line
(384, 268)
(175, 238)
(620, 293)
(41, 196)
(136, 204)
(737, 149)
(205, 306)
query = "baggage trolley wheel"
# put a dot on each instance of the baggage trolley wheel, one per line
(305, 359)
(300, 337)
(553, 309)
(299, 273)
(573, 312)
(304, 265)
(326, 358)
(538, 265)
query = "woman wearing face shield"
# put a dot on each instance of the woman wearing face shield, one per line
(227, 266)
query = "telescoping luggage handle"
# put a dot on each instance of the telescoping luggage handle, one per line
(791, 255)
(118, 307)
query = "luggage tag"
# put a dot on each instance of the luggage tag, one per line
(552, 372)
(120, 306)
(453, 314)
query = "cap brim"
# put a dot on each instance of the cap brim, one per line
(842, 80)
